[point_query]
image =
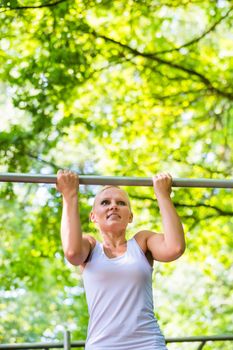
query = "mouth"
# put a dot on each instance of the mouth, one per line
(113, 215)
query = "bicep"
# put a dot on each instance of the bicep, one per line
(87, 243)
(157, 246)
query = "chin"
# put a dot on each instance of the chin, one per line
(114, 226)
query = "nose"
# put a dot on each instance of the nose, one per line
(113, 206)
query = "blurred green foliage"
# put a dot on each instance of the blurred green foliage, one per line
(126, 88)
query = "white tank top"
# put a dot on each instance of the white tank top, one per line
(120, 301)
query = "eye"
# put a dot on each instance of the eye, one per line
(122, 203)
(105, 202)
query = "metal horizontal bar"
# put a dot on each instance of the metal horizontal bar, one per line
(50, 345)
(115, 180)
(81, 343)
(224, 337)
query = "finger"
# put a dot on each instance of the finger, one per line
(156, 177)
(166, 175)
(60, 171)
(73, 175)
(169, 175)
(159, 176)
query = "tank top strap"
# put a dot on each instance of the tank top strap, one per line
(96, 251)
(135, 250)
(134, 247)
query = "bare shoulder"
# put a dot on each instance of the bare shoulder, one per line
(92, 242)
(142, 238)
(90, 239)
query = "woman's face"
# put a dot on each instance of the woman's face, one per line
(111, 210)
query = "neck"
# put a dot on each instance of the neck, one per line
(113, 239)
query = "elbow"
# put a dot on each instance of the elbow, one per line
(179, 250)
(75, 258)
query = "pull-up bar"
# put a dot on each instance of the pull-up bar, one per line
(115, 180)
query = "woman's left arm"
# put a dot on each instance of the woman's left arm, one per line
(171, 244)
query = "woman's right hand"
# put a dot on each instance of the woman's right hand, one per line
(67, 183)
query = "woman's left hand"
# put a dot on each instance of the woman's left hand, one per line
(162, 184)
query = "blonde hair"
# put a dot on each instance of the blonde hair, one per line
(106, 188)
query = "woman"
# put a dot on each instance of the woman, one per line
(117, 273)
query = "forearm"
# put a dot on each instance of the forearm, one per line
(173, 229)
(71, 233)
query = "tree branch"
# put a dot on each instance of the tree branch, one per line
(186, 205)
(159, 60)
(9, 8)
(53, 165)
(200, 165)
(197, 221)
(199, 205)
(197, 39)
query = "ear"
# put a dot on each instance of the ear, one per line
(92, 216)
(131, 217)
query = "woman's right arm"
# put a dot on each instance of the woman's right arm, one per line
(76, 247)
